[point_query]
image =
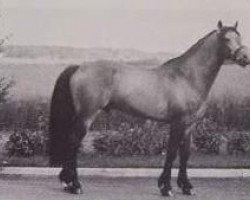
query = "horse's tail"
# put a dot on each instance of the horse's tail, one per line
(62, 117)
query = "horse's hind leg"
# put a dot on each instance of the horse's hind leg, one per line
(176, 133)
(184, 152)
(68, 175)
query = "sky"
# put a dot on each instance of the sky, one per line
(150, 25)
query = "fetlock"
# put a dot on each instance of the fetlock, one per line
(65, 177)
(166, 190)
(185, 186)
(165, 187)
(74, 189)
(184, 183)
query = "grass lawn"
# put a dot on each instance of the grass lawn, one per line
(197, 160)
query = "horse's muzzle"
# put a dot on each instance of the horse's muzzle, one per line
(242, 56)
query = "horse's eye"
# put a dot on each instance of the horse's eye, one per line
(226, 39)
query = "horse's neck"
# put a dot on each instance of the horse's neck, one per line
(199, 65)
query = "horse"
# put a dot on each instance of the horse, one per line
(168, 93)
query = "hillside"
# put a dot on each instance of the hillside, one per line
(87, 54)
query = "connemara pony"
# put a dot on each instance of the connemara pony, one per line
(168, 93)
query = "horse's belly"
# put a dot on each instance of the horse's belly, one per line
(148, 107)
(141, 93)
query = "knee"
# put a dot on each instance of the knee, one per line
(171, 155)
(186, 141)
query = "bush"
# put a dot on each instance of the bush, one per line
(24, 114)
(5, 86)
(127, 135)
(29, 139)
(26, 143)
(147, 139)
(238, 141)
(207, 137)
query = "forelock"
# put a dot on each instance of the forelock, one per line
(227, 29)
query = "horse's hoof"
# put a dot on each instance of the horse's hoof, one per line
(65, 186)
(189, 192)
(76, 191)
(71, 188)
(186, 186)
(166, 192)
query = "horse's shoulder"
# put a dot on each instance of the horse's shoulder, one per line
(172, 70)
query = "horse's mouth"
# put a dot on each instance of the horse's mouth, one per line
(243, 62)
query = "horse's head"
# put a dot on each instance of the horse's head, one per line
(231, 44)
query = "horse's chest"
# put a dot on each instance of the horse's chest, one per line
(185, 98)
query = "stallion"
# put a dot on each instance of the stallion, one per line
(169, 93)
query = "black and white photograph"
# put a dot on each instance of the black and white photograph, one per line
(125, 99)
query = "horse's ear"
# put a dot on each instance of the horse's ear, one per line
(236, 25)
(219, 25)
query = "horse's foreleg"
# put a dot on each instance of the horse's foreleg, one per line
(184, 152)
(164, 182)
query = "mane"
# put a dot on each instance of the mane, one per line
(193, 48)
(198, 44)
